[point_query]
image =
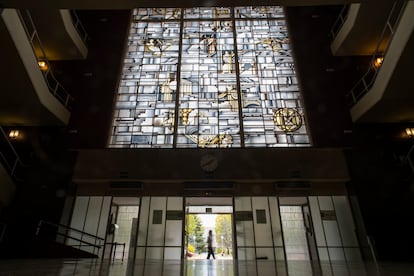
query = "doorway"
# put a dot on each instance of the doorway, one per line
(300, 246)
(121, 234)
(201, 216)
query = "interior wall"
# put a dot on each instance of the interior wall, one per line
(90, 215)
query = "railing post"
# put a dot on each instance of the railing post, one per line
(374, 257)
(123, 252)
(410, 162)
(353, 97)
(3, 231)
(14, 166)
(56, 89)
(39, 225)
(114, 252)
(67, 101)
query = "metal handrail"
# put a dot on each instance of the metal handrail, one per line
(79, 26)
(340, 20)
(41, 222)
(113, 249)
(367, 81)
(55, 87)
(80, 240)
(371, 244)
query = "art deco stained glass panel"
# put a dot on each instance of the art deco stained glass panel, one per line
(208, 77)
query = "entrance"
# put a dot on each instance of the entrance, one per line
(121, 233)
(202, 216)
(263, 235)
(300, 245)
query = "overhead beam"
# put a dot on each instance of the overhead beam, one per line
(130, 4)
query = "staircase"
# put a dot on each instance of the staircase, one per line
(49, 241)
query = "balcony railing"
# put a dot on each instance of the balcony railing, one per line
(339, 22)
(54, 85)
(78, 25)
(367, 81)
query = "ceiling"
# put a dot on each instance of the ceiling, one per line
(130, 4)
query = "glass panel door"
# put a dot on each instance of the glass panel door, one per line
(296, 244)
(310, 235)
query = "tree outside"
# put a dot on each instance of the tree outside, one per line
(224, 233)
(195, 231)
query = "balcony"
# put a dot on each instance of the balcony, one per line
(384, 94)
(62, 33)
(358, 28)
(31, 94)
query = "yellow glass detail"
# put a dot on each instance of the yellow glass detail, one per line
(287, 119)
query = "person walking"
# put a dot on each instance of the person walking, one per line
(210, 245)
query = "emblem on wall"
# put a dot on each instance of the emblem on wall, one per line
(287, 119)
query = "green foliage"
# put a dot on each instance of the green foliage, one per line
(195, 231)
(224, 231)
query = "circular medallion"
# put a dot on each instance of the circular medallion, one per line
(287, 119)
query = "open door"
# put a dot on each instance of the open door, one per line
(204, 215)
(299, 237)
(310, 236)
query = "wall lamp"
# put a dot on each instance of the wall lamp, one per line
(42, 65)
(409, 131)
(13, 134)
(378, 62)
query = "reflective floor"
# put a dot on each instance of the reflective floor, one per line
(69, 267)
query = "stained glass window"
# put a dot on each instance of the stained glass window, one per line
(208, 77)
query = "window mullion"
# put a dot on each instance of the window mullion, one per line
(178, 79)
(239, 94)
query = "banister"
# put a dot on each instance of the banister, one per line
(56, 89)
(340, 20)
(67, 227)
(369, 77)
(79, 240)
(79, 26)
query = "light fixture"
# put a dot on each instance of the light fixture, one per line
(378, 62)
(409, 131)
(13, 134)
(42, 65)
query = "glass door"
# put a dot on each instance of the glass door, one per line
(204, 216)
(310, 236)
(298, 235)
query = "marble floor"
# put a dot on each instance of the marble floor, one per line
(89, 267)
